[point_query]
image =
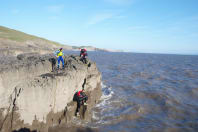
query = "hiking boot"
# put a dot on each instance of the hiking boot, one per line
(77, 114)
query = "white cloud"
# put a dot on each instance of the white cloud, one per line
(53, 18)
(55, 8)
(15, 11)
(99, 18)
(120, 2)
(121, 16)
(138, 27)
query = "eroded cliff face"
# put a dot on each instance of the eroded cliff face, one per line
(34, 97)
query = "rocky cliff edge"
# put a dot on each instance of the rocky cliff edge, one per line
(35, 97)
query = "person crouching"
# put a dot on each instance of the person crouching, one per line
(83, 55)
(81, 98)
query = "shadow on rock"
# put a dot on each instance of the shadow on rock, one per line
(73, 129)
(24, 130)
(85, 130)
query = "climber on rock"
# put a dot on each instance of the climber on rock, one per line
(83, 55)
(81, 98)
(59, 54)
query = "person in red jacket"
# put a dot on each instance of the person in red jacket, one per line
(83, 54)
(81, 99)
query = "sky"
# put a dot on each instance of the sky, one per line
(149, 26)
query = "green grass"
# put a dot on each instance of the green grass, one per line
(20, 36)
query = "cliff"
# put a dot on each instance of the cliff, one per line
(34, 97)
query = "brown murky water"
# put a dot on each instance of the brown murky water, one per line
(147, 93)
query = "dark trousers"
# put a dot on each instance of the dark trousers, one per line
(81, 101)
(83, 59)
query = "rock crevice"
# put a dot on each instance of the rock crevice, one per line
(34, 97)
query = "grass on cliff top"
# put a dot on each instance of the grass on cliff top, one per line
(18, 36)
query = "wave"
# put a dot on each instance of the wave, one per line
(107, 94)
(105, 100)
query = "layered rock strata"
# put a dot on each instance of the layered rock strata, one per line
(33, 96)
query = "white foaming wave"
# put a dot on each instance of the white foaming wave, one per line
(94, 115)
(107, 93)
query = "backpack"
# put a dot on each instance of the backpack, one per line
(56, 52)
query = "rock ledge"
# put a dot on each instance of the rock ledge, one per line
(34, 97)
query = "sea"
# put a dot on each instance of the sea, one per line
(146, 92)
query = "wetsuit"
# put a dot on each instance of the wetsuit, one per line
(81, 99)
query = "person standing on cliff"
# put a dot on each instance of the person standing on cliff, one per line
(83, 54)
(59, 55)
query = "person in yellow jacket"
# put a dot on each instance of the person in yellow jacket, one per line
(60, 55)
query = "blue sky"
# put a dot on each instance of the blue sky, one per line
(154, 26)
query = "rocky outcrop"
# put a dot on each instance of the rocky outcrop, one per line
(33, 97)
